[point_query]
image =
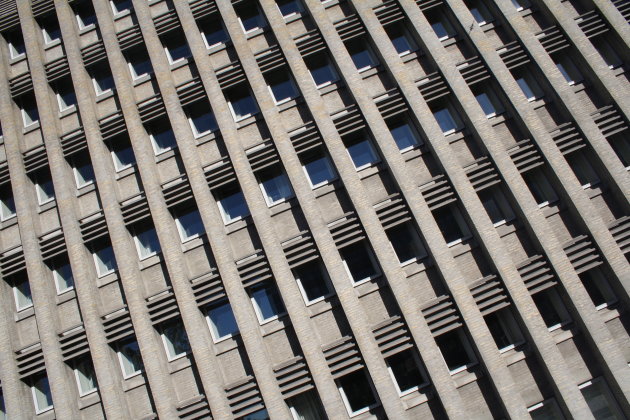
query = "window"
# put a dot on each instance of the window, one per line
(546, 410)
(16, 44)
(610, 57)
(22, 294)
(66, 97)
(481, 14)
(583, 169)
(84, 375)
(101, 79)
(3, 410)
(242, 103)
(267, 302)
(129, 358)
(233, 207)
(356, 392)
(600, 400)
(258, 415)
(176, 48)
(175, 341)
(147, 243)
(528, 88)
(62, 273)
(404, 135)
(318, 170)
(540, 188)
(312, 281)
(50, 29)
(189, 225)
(322, 71)
(42, 397)
(622, 148)
(452, 224)
(44, 188)
(496, 206)
(406, 243)
(489, 104)
(404, 369)
(201, 119)
(104, 261)
(598, 288)
(359, 263)
(289, 8)
(275, 187)
(455, 350)
(7, 204)
(122, 154)
(446, 121)
(28, 108)
(119, 6)
(281, 87)
(569, 71)
(84, 12)
(162, 138)
(139, 63)
(83, 171)
(442, 29)
(551, 308)
(306, 405)
(504, 329)
(213, 33)
(250, 17)
(362, 153)
(361, 54)
(401, 40)
(222, 322)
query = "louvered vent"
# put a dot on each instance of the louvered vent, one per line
(151, 108)
(177, 192)
(35, 159)
(620, 230)
(343, 357)
(624, 8)
(582, 253)
(293, 377)
(220, 173)
(42, 7)
(135, 209)
(592, 24)
(432, 86)
(52, 244)
(553, 39)
(425, 5)
(191, 91)
(347, 230)
(244, 397)
(568, 138)
(253, 269)
(393, 211)
(166, 22)
(441, 315)
(30, 360)
(270, 59)
(130, 38)
(438, 192)
(5, 177)
(473, 70)
(93, 227)
(162, 306)
(20, 85)
(513, 55)
(391, 103)
(9, 18)
(350, 27)
(117, 325)
(348, 120)
(57, 69)
(73, 142)
(609, 120)
(94, 53)
(112, 125)
(203, 8)
(73, 343)
(230, 75)
(389, 12)
(300, 249)
(310, 43)
(536, 274)
(12, 261)
(392, 336)
(482, 174)
(262, 156)
(526, 156)
(489, 294)
(195, 408)
(306, 137)
(208, 288)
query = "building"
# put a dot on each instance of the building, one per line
(314, 209)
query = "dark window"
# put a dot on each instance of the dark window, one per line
(356, 389)
(359, 262)
(312, 280)
(453, 349)
(404, 368)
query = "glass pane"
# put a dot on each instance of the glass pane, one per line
(306, 406)
(268, 302)
(251, 19)
(104, 82)
(277, 189)
(401, 44)
(527, 91)
(190, 225)
(258, 415)
(600, 401)
(130, 358)
(357, 390)
(445, 120)
(214, 34)
(448, 225)
(84, 175)
(362, 154)
(440, 30)
(549, 411)
(67, 98)
(23, 298)
(477, 15)
(203, 122)
(178, 50)
(222, 321)
(234, 207)
(404, 136)
(41, 394)
(288, 7)
(176, 341)
(283, 90)
(85, 377)
(319, 171)
(244, 106)
(495, 213)
(163, 140)
(148, 243)
(63, 278)
(358, 262)
(361, 56)
(500, 335)
(404, 241)
(323, 74)
(486, 104)
(452, 350)
(45, 191)
(405, 369)
(105, 261)
(141, 65)
(313, 281)
(547, 309)
(7, 207)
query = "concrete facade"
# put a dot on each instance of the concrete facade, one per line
(306, 209)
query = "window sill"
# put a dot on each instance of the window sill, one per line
(52, 44)
(226, 344)
(86, 189)
(140, 80)
(24, 313)
(451, 40)
(253, 33)
(100, 97)
(89, 28)
(179, 63)
(274, 325)
(455, 136)
(291, 103)
(193, 243)
(72, 109)
(242, 123)
(102, 281)
(330, 3)
(66, 296)
(213, 49)
(89, 399)
(293, 17)
(132, 382)
(410, 56)
(167, 154)
(416, 397)
(123, 173)
(368, 171)
(120, 15)
(47, 206)
(18, 59)
(371, 71)
(237, 225)
(30, 127)
(283, 206)
(206, 137)
(150, 261)
(179, 363)
(8, 222)
(329, 87)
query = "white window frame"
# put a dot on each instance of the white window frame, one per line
(40, 192)
(134, 75)
(122, 367)
(282, 101)
(329, 82)
(377, 268)
(224, 214)
(550, 401)
(214, 331)
(47, 39)
(156, 146)
(445, 27)
(139, 244)
(196, 133)
(61, 103)
(268, 199)
(244, 117)
(414, 133)
(115, 10)
(205, 41)
(326, 182)
(240, 22)
(170, 58)
(15, 298)
(416, 359)
(81, 24)
(57, 277)
(258, 311)
(456, 123)
(300, 10)
(82, 393)
(417, 244)
(372, 149)
(169, 356)
(346, 403)
(13, 52)
(480, 14)
(78, 182)
(325, 279)
(491, 100)
(369, 51)
(410, 42)
(181, 230)
(97, 88)
(465, 346)
(96, 259)
(39, 410)
(25, 116)
(3, 216)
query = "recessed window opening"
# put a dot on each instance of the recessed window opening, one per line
(221, 321)
(122, 153)
(129, 358)
(176, 48)
(189, 224)
(146, 240)
(213, 33)
(406, 243)
(42, 397)
(551, 308)
(504, 329)
(401, 39)
(162, 137)
(201, 118)
(232, 205)
(15, 40)
(102, 79)
(448, 120)
(362, 151)
(241, 102)
(306, 405)
(405, 134)
(7, 203)
(86, 17)
(267, 302)
(275, 186)
(250, 17)
(104, 259)
(318, 169)
(356, 392)
(281, 86)
(496, 206)
(22, 294)
(44, 187)
(119, 6)
(322, 71)
(85, 377)
(359, 262)
(600, 400)
(313, 282)
(175, 340)
(598, 287)
(451, 223)
(82, 170)
(545, 410)
(540, 187)
(406, 372)
(50, 29)
(583, 169)
(289, 8)
(139, 63)
(28, 109)
(362, 55)
(455, 350)
(62, 274)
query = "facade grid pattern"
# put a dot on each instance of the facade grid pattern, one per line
(314, 209)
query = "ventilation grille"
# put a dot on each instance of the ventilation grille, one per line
(432, 86)
(392, 336)
(112, 125)
(305, 138)
(441, 315)
(438, 192)
(473, 70)
(57, 69)
(52, 244)
(196, 408)
(253, 269)
(300, 249)
(348, 120)
(131, 37)
(609, 120)
(347, 230)
(513, 55)
(393, 211)
(270, 59)
(489, 294)
(191, 91)
(203, 8)
(568, 138)
(343, 357)
(553, 39)
(582, 253)
(162, 306)
(244, 397)
(166, 22)
(73, 343)
(12, 261)
(482, 174)
(93, 227)
(151, 108)
(391, 103)
(135, 209)
(230, 75)
(94, 53)
(73, 142)
(620, 230)
(35, 159)
(592, 24)
(177, 192)
(117, 325)
(30, 361)
(20, 85)
(525, 156)
(208, 288)
(389, 12)
(536, 274)
(350, 27)
(293, 377)
(310, 43)
(262, 156)
(220, 173)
